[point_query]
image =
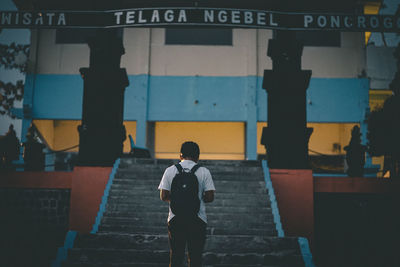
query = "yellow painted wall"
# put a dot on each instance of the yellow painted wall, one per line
(377, 98)
(66, 134)
(323, 138)
(325, 135)
(130, 127)
(46, 128)
(379, 161)
(61, 134)
(217, 140)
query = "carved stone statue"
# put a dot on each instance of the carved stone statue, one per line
(355, 154)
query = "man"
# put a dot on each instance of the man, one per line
(10, 147)
(181, 230)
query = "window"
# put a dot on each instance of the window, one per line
(319, 38)
(198, 36)
(73, 36)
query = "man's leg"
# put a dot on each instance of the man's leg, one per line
(177, 243)
(196, 241)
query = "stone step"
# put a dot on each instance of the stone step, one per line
(155, 194)
(222, 183)
(212, 221)
(104, 256)
(129, 162)
(141, 196)
(211, 230)
(155, 162)
(121, 210)
(259, 187)
(220, 189)
(207, 165)
(244, 171)
(218, 202)
(138, 172)
(142, 264)
(221, 186)
(216, 175)
(128, 216)
(227, 205)
(218, 243)
(240, 222)
(211, 165)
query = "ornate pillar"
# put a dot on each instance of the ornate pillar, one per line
(102, 132)
(286, 136)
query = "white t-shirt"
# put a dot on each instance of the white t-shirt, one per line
(205, 184)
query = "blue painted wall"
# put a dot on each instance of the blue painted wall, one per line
(57, 96)
(198, 98)
(136, 97)
(329, 100)
(171, 98)
(337, 100)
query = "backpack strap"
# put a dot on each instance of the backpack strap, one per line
(195, 168)
(179, 167)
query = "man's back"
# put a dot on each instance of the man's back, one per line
(182, 230)
(204, 179)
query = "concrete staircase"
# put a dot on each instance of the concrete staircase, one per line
(133, 231)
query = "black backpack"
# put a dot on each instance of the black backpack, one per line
(185, 200)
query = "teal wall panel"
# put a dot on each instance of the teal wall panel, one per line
(329, 100)
(197, 98)
(337, 100)
(57, 96)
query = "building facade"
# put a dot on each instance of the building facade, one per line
(203, 85)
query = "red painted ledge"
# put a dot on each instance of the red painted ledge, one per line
(355, 185)
(87, 186)
(294, 191)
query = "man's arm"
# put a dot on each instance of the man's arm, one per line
(165, 195)
(208, 196)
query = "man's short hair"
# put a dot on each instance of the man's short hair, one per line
(190, 150)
